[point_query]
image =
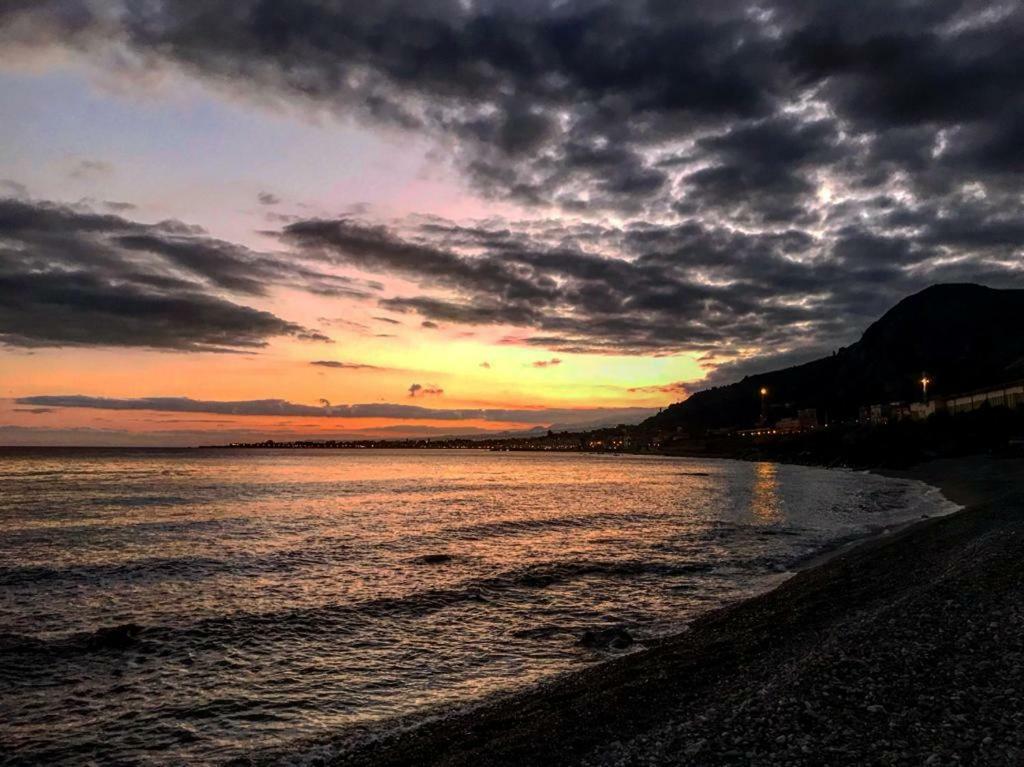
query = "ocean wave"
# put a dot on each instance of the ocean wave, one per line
(191, 568)
(242, 629)
(114, 638)
(512, 527)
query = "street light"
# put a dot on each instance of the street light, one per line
(925, 380)
(764, 405)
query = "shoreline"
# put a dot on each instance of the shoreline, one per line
(677, 701)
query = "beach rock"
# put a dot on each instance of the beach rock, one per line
(616, 638)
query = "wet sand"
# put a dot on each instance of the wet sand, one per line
(905, 649)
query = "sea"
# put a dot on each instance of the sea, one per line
(198, 606)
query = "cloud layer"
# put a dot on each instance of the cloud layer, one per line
(277, 407)
(771, 175)
(72, 277)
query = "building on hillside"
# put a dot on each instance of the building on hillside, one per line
(808, 418)
(1008, 395)
(919, 411)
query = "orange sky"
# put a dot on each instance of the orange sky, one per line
(179, 150)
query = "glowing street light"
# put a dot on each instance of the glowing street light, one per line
(764, 405)
(925, 380)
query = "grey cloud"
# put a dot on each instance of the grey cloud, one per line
(90, 169)
(425, 391)
(268, 198)
(72, 278)
(650, 287)
(783, 171)
(13, 188)
(338, 365)
(579, 102)
(678, 389)
(277, 407)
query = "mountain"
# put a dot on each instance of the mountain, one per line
(963, 336)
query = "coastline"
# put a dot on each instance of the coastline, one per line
(858, 658)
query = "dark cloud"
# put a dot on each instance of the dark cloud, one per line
(665, 287)
(762, 170)
(277, 407)
(678, 389)
(588, 102)
(429, 325)
(778, 173)
(268, 198)
(376, 248)
(338, 365)
(419, 390)
(73, 278)
(546, 363)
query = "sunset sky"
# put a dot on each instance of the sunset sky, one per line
(241, 219)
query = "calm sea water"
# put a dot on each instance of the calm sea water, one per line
(194, 606)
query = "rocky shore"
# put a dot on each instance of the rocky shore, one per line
(907, 649)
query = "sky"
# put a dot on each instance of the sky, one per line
(248, 219)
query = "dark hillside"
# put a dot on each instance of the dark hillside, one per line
(964, 336)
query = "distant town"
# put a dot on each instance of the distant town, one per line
(778, 424)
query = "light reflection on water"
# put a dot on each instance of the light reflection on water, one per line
(765, 504)
(286, 595)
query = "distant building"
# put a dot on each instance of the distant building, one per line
(919, 411)
(1009, 395)
(787, 425)
(808, 418)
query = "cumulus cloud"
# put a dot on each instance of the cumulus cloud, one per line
(778, 173)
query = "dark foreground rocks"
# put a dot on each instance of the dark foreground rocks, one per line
(905, 650)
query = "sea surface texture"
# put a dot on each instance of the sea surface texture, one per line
(168, 607)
